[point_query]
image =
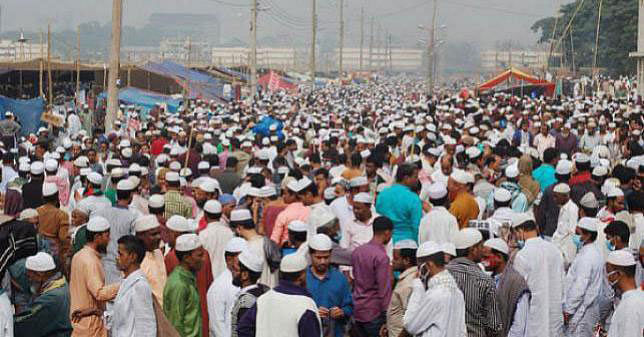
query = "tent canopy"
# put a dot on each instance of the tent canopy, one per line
(511, 73)
(145, 99)
(198, 84)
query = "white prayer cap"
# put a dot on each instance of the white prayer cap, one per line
(134, 180)
(589, 224)
(359, 181)
(117, 172)
(293, 185)
(185, 172)
(145, 223)
(240, 215)
(127, 152)
(212, 207)
(473, 152)
(600, 171)
(581, 158)
(156, 201)
(208, 185)
(54, 155)
(175, 166)
(512, 171)
(467, 237)
(615, 192)
(365, 153)
(49, 189)
(95, 178)
(434, 152)
(406, 244)
(562, 188)
(321, 216)
(40, 262)
(502, 195)
(172, 176)
(51, 165)
(298, 226)
(178, 223)
(203, 165)
(27, 213)
(293, 263)
(251, 261)
(621, 258)
(37, 168)
(449, 248)
(134, 167)
(24, 167)
(564, 167)
(236, 245)
(460, 176)
(520, 218)
(187, 242)
(437, 191)
(428, 248)
(98, 224)
(125, 185)
(589, 200)
(497, 244)
(267, 191)
(113, 162)
(320, 242)
(81, 161)
(363, 197)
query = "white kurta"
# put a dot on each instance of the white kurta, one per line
(562, 237)
(628, 319)
(541, 264)
(343, 211)
(6, 316)
(520, 322)
(439, 225)
(221, 298)
(214, 239)
(437, 311)
(133, 311)
(582, 287)
(256, 245)
(357, 233)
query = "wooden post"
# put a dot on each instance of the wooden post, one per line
(78, 70)
(42, 65)
(115, 58)
(50, 86)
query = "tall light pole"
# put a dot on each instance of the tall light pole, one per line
(313, 37)
(340, 70)
(115, 60)
(253, 50)
(361, 38)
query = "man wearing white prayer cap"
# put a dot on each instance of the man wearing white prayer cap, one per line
(148, 229)
(541, 264)
(620, 271)
(215, 236)
(246, 275)
(48, 312)
(463, 206)
(584, 281)
(305, 191)
(358, 231)
(242, 223)
(286, 309)
(297, 235)
(222, 293)
(328, 286)
(438, 225)
(478, 288)
(404, 261)
(53, 222)
(181, 299)
(614, 204)
(434, 288)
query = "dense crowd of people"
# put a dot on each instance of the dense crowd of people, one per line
(357, 210)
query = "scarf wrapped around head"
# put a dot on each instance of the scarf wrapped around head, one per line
(529, 186)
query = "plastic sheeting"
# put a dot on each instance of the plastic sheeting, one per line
(28, 112)
(263, 127)
(198, 84)
(144, 99)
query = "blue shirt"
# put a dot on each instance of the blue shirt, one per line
(403, 208)
(332, 291)
(545, 176)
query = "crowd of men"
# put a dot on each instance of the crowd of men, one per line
(364, 211)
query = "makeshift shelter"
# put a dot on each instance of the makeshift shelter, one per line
(273, 81)
(196, 84)
(144, 99)
(511, 78)
(27, 111)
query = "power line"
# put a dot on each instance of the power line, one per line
(230, 4)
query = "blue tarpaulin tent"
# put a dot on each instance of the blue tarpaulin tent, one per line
(145, 99)
(262, 128)
(198, 84)
(28, 112)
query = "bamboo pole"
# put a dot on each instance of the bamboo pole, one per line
(599, 19)
(41, 65)
(78, 69)
(50, 86)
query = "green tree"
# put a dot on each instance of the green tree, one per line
(617, 37)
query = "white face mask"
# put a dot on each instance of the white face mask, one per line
(612, 284)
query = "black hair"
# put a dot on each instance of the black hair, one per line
(437, 258)
(257, 180)
(214, 216)
(409, 254)
(123, 195)
(636, 201)
(356, 159)
(92, 235)
(322, 171)
(182, 255)
(529, 225)
(297, 236)
(231, 162)
(174, 184)
(624, 174)
(589, 212)
(246, 224)
(498, 204)
(620, 229)
(51, 198)
(134, 245)
(504, 256)
(550, 154)
(563, 178)
(230, 254)
(581, 167)
(382, 224)
(405, 171)
(291, 277)
(439, 202)
(593, 234)
(628, 271)
(156, 210)
(253, 275)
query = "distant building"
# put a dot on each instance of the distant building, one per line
(283, 58)
(13, 51)
(396, 59)
(495, 60)
(203, 27)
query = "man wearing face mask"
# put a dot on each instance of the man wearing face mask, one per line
(246, 274)
(541, 265)
(482, 315)
(566, 222)
(511, 288)
(436, 306)
(628, 318)
(583, 283)
(48, 314)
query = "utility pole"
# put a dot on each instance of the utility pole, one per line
(371, 46)
(42, 65)
(253, 50)
(391, 64)
(313, 33)
(115, 60)
(340, 70)
(78, 68)
(50, 86)
(361, 37)
(430, 56)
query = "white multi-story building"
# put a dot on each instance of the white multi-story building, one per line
(14, 51)
(394, 59)
(285, 58)
(494, 60)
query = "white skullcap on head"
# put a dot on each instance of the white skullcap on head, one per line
(621, 258)
(449, 248)
(320, 242)
(581, 158)
(40, 262)
(240, 215)
(97, 224)
(172, 176)
(521, 218)
(321, 216)
(27, 213)
(437, 191)
(562, 188)
(564, 167)
(178, 223)
(49, 189)
(615, 192)
(212, 207)
(600, 171)
(498, 245)
(589, 224)
(589, 200)
(329, 193)
(203, 165)
(236, 245)
(460, 176)
(428, 248)
(512, 171)
(145, 223)
(187, 242)
(51, 165)
(156, 201)
(125, 185)
(502, 195)
(298, 226)
(467, 237)
(363, 198)
(359, 181)
(37, 168)
(406, 244)
(95, 178)
(117, 172)
(293, 263)
(251, 261)
(208, 185)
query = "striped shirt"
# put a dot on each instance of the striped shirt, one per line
(482, 315)
(175, 204)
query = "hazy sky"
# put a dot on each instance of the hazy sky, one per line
(477, 21)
